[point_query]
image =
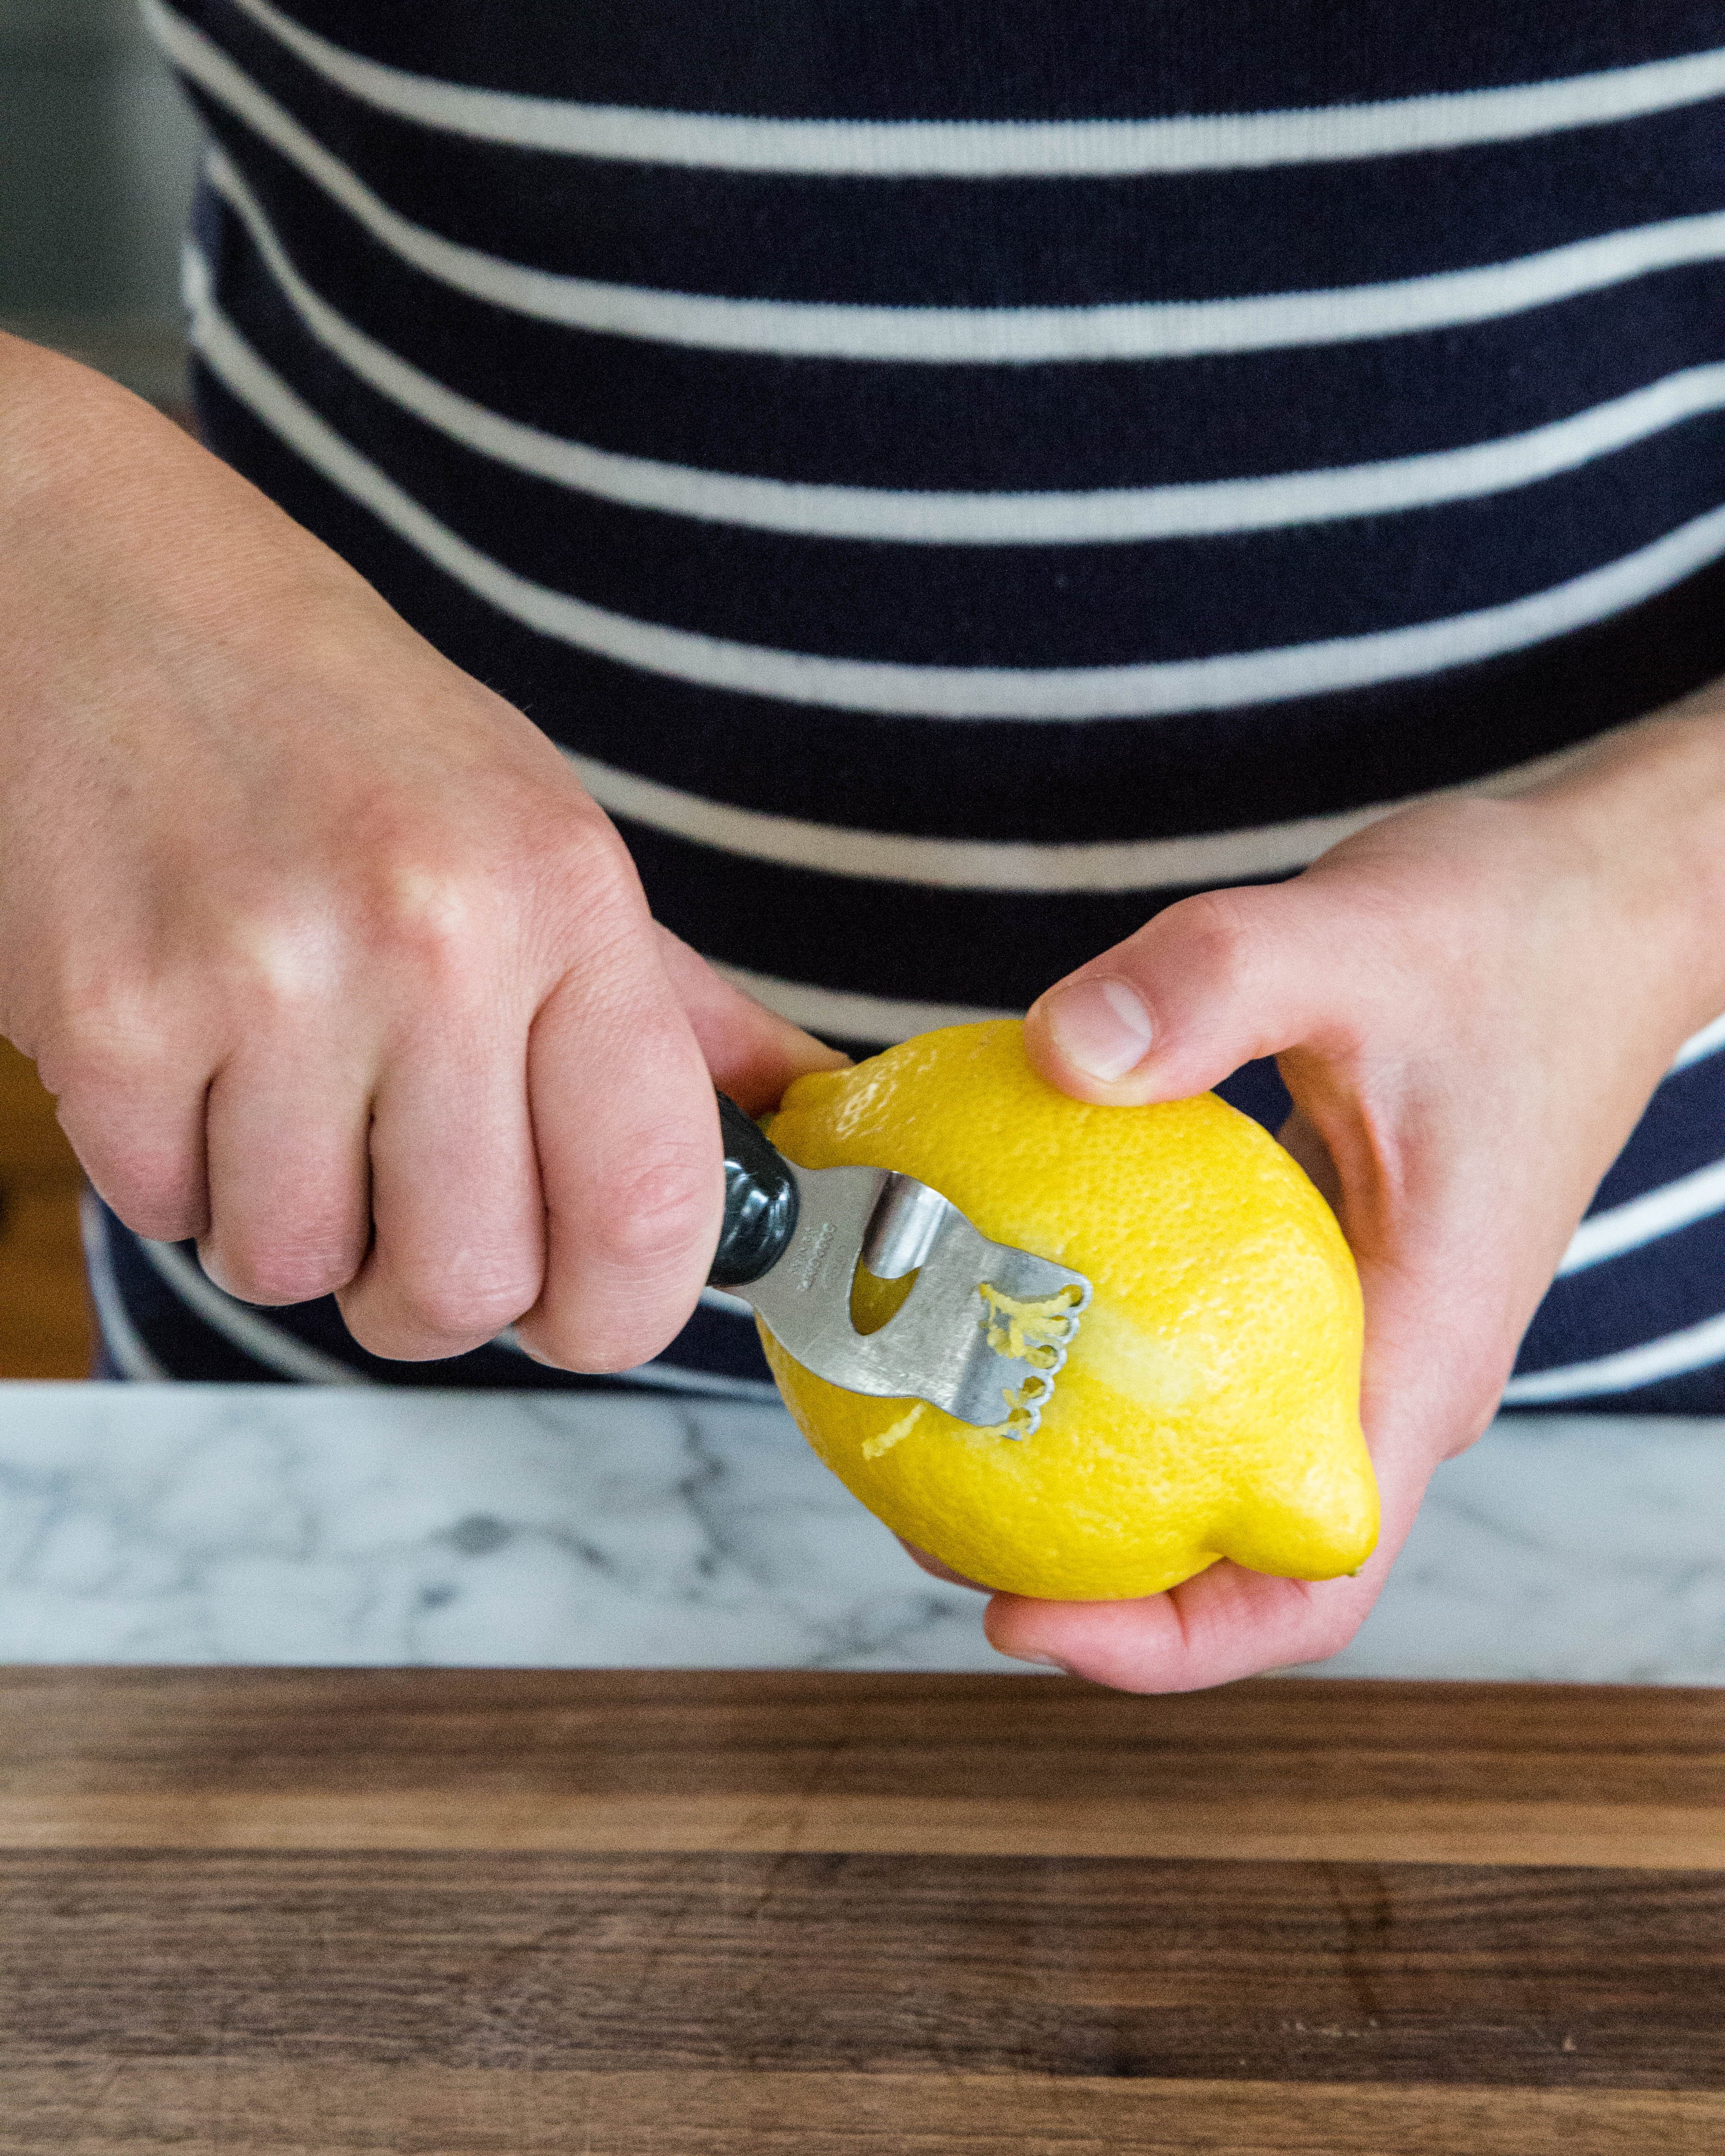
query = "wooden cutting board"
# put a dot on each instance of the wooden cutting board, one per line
(783, 1914)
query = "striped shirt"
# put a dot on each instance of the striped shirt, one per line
(954, 480)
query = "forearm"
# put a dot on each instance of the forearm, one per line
(124, 543)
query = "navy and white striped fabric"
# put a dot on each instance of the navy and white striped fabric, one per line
(955, 479)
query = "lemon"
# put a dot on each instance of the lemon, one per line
(1209, 1407)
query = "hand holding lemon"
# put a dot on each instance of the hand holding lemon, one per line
(1208, 1405)
(1470, 1013)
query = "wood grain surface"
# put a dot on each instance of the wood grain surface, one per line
(676, 1912)
(45, 1318)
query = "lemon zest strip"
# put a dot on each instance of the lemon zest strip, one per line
(1018, 1404)
(873, 1447)
(1028, 1329)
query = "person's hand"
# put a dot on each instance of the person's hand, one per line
(1472, 1002)
(330, 960)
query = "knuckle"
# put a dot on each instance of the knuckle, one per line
(1221, 936)
(597, 1340)
(439, 919)
(279, 966)
(454, 1305)
(627, 1287)
(410, 884)
(657, 1216)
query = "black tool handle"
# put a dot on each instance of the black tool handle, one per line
(760, 1203)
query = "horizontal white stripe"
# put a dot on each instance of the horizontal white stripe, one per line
(1058, 693)
(913, 517)
(883, 1019)
(954, 336)
(1694, 1349)
(1010, 864)
(1641, 1220)
(670, 1376)
(1707, 1042)
(275, 1347)
(122, 1338)
(248, 1329)
(983, 149)
(715, 1298)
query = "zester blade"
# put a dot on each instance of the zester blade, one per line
(948, 1343)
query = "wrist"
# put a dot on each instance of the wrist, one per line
(1641, 818)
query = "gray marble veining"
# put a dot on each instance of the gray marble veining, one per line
(280, 1524)
(285, 1524)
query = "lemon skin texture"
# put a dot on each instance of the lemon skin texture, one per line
(1209, 1407)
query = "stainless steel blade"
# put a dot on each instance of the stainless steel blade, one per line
(937, 1346)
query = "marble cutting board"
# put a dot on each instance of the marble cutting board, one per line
(155, 1523)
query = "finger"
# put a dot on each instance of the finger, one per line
(752, 1052)
(1207, 985)
(1225, 1624)
(626, 1128)
(286, 1132)
(458, 1231)
(132, 1107)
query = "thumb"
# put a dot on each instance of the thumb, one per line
(1210, 983)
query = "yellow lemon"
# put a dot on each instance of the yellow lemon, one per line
(1209, 1407)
